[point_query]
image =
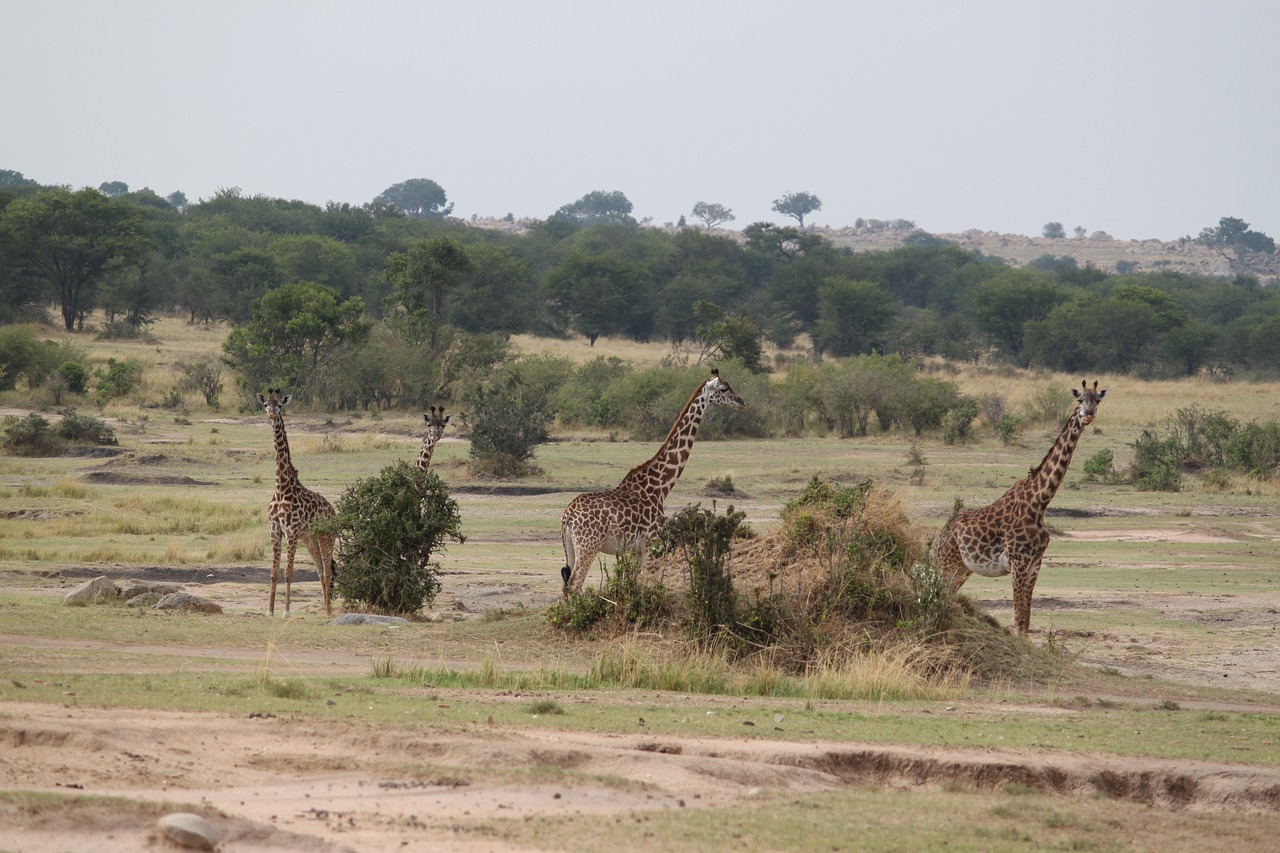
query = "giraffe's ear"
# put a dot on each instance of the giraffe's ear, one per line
(1102, 393)
(446, 417)
(262, 401)
(1075, 393)
(284, 401)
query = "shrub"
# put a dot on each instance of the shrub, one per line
(625, 600)
(704, 538)
(119, 379)
(30, 436)
(76, 376)
(388, 527)
(1156, 463)
(1100, 467)
(1050, 403)
(204, 377)
(957, 423)
(85, 428)
(507, 421)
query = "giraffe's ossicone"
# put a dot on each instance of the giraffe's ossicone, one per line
(292, 509)
(624, 519)
(1009, 536)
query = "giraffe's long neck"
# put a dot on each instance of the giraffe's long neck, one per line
(658, 475)
(1043, 482)
(286, 474)
(424, 456)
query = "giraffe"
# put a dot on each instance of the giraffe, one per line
(625, 518)
(1009, 536)
(292, 509)
(435, 429)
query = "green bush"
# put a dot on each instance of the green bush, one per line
(76, 376)
(1157, 463)
(1100, 467)
(120, 379)
(388, 527)
(625, 599)
(508, 420)
(85, 428)
(957, 423)
(704, 538)
(26, 357)
(30, 436)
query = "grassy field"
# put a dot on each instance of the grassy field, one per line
(1158, 611)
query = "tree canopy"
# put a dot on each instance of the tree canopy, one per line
(797, 205)
(419, 198)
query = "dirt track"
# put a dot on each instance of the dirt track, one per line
(281, 784)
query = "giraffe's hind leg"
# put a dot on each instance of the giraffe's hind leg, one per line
(1024, 583)
(323, 560)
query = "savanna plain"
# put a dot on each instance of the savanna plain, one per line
(1153, 723)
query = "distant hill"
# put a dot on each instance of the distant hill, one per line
(1099, 249)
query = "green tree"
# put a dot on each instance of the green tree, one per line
(1054, 231)
(597, 206)
(712, 214)
(596, 294)
(853, 317)
(1002, 308)
(295, 330)
(73, 241)
(797, 205)
(111, 189)
(1233, 239)
(728, 336)
(422, 275)
(311, 257)
(418, 198)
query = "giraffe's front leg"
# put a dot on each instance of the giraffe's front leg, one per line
(288, 573)
(275, 572)
(1024, 583)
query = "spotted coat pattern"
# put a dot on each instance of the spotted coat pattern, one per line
(436, 421)
(292, 509)
(1009, 536)
(625, 518)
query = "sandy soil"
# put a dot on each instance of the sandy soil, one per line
(270, 783)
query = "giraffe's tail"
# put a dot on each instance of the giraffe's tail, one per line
(565, 574)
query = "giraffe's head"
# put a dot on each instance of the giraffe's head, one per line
(274, 403)
(436, 421)
(1087, 399)
(719, 393)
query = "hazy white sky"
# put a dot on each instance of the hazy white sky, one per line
(1142, 118)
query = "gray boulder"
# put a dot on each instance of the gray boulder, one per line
(187, 601)
(190, 830)
(92, 592)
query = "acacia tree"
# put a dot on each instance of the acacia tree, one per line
(418, 198)
(598, 206)
(1233, 239)
(712, 214)
(797, 205)
(74, 240)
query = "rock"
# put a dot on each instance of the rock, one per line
(368, 619)
(92, 592)
(133, 588)
(190, 830)
(187, 601)
(146, 599)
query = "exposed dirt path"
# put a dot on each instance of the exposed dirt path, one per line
(297, 785)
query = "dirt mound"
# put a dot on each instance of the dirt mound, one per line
(120, 478)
